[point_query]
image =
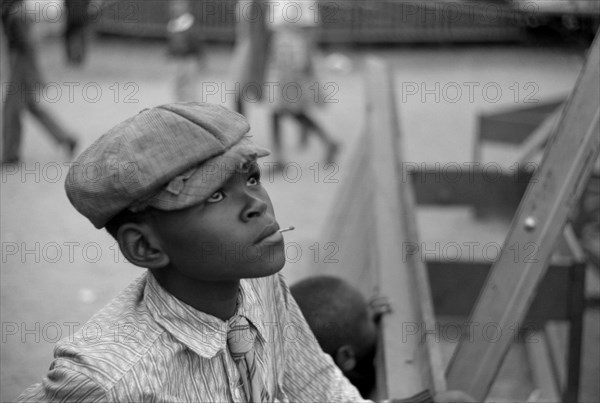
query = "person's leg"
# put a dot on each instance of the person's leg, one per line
(77, 46)
(309, 124)
(81, 43)
(59, 134)
(276, 116)
(14, 106)
(239, 103)
(75, 42)
(11, 125)
(186, 78)
(69, 38)
(304, 133)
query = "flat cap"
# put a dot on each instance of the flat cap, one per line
(168, 157)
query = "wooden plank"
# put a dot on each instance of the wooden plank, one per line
(344, 198)
(491, 189)
(557, 334)
(510, 288)
(541, 368)
(537, 140)
(349, 225)
(456, 285)
(455, 184)
(373, 215)
(355, 262)
(411, 363)
(515, 125)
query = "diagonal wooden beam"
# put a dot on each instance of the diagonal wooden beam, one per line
(554, 190)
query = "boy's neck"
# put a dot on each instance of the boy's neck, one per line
(218, 299)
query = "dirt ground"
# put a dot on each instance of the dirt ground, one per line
(57, 270)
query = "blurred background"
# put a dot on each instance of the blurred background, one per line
(459, 68)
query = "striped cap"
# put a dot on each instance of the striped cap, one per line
(168, 157)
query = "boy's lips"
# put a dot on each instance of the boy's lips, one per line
(267, 232)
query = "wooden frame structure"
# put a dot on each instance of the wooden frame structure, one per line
(510, 287)
(375, 226)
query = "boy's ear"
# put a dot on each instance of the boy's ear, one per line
(140, 246)
(345, 358)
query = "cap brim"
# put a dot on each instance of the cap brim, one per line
(198, 184)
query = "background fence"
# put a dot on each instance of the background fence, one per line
(356, 21)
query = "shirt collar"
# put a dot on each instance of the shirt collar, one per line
(204, 334)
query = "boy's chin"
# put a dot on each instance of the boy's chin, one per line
(269, 268)
(272, 270)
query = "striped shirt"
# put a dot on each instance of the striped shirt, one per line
(146, 345)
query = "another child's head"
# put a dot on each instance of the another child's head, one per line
(342, 323)
(179, 188)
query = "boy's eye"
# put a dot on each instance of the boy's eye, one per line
(216, 197)
(253, 180)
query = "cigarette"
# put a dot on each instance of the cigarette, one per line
(290, 228)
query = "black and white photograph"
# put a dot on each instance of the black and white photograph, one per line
(386, 201)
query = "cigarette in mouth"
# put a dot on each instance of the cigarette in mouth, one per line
(290, 228)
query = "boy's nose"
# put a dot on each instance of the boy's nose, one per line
(255, 207)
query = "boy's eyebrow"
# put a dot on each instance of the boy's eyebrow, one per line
(251, 167)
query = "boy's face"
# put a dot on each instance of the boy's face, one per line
(232, 235)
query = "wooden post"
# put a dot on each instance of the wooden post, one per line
(402, 276)
(376, 232)
(576, 308)
(539, 221)
(541, 367)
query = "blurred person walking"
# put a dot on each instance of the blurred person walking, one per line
(3, 66)
(186, 49)
(292, 50)
(75, 35)
(251, 52)
(24, 86)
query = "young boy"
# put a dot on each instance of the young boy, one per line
(211, 319)
(345, 327)
(341, 320)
